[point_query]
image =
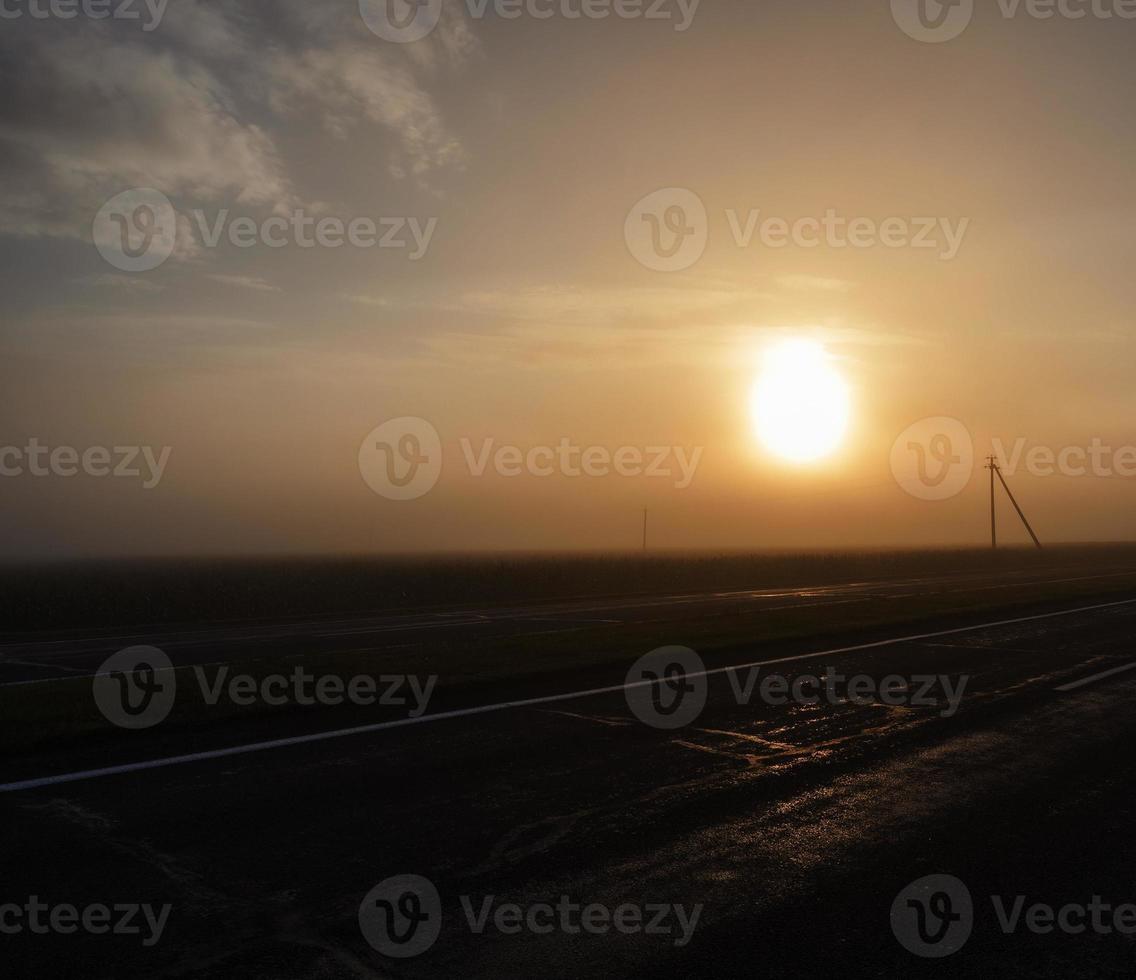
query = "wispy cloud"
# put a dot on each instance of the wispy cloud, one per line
(246, 282)
(368, 300)
(598, 305)
(82, 121)
(90, 111)
(351, 85)
(814, 282)
(135, 285)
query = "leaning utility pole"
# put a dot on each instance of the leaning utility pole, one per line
(994, 468)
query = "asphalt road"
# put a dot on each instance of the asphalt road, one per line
(758, 838)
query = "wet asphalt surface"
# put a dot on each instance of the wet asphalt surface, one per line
(783, 831)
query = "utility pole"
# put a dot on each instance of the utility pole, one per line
(644, 528)
(994, 468)
(991, 465)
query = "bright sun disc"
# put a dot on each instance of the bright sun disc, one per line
(800, 404)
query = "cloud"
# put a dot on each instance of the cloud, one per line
(201, 109)
(131, 284)
(629, 348)
(586, 347)
(702, 322)
(82, 121)
(814, 282)
(368, 300)
(599, 305)
(351, 85)
(246, 282)
(451, 42)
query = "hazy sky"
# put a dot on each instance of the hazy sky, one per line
(518, 149)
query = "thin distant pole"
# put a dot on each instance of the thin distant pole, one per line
(644, 528)
(991, 465)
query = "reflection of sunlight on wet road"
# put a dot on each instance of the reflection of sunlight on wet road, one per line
(810, 730)
(813, 731)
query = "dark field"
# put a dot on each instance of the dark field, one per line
(122, 593)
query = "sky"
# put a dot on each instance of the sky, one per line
(586, 235)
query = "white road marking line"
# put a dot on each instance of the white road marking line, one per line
(978, 649)
(31, 663)
(73, 777)
(1073, 685)
(610, 722)
(84, 673)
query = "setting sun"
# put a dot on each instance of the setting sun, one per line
(800, 403)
